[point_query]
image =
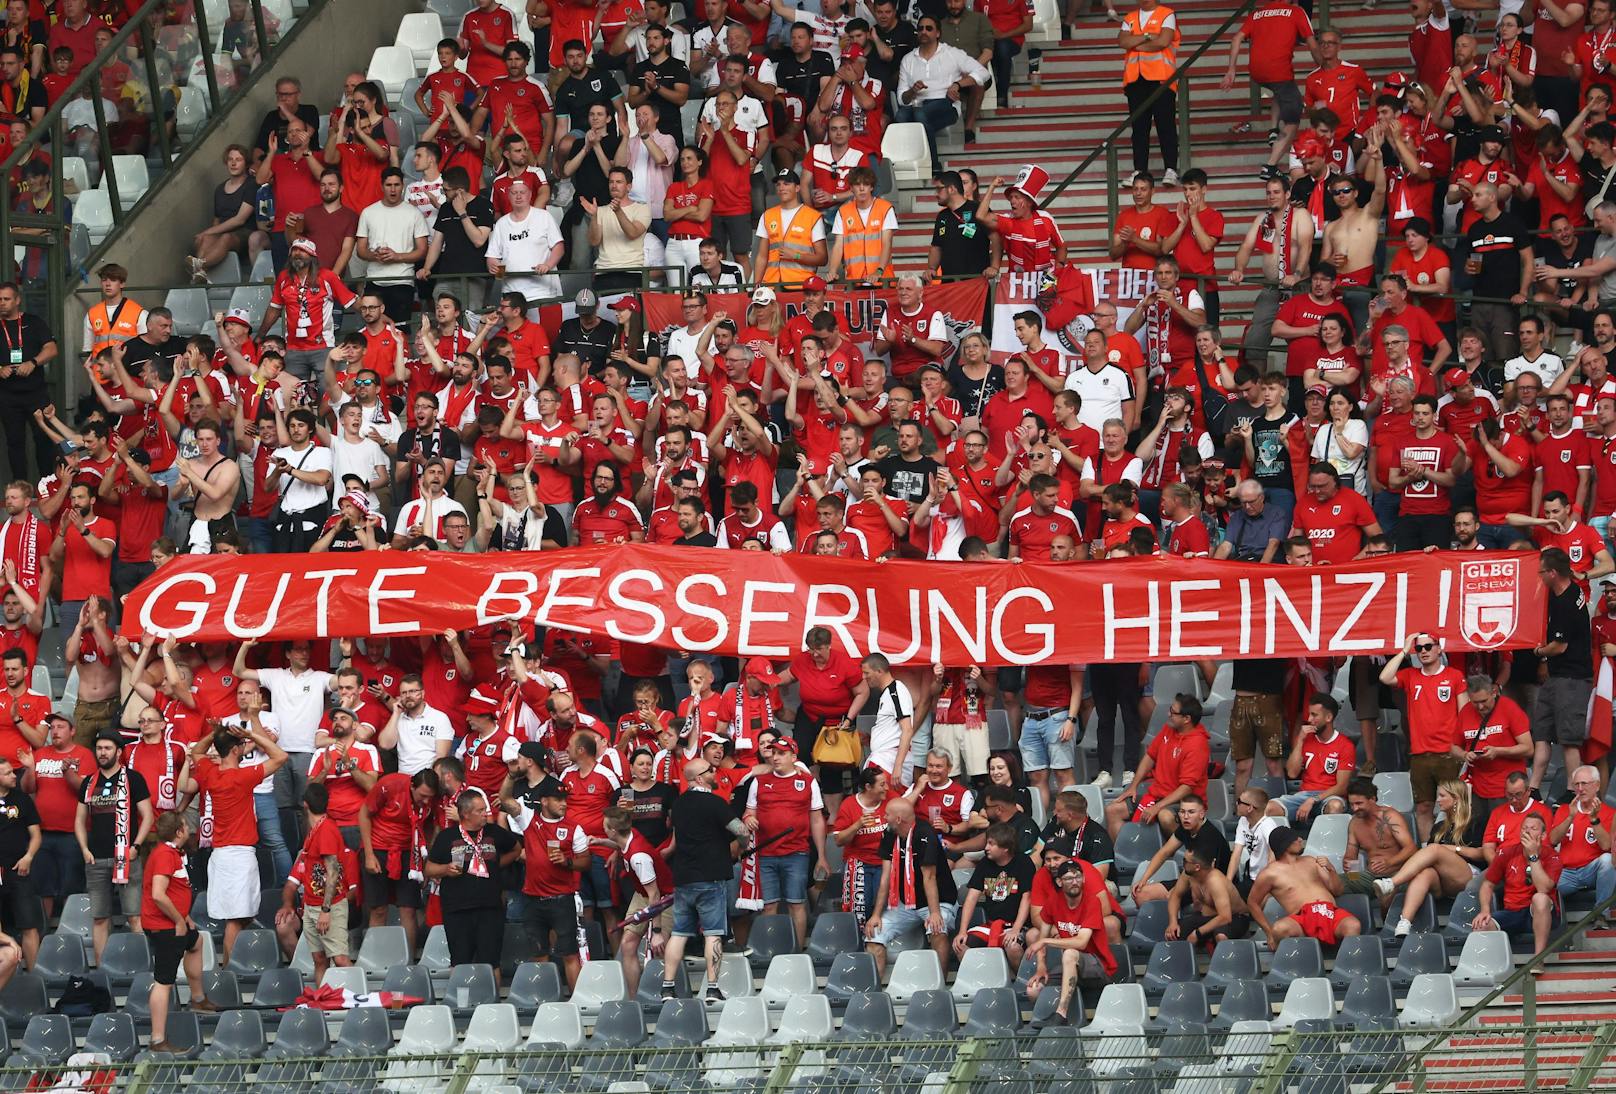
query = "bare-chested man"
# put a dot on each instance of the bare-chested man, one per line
(1378, 832)
(1350, 239)
(1306, 888)
(1283, 236)
(209, 479)
(1217, 911)
(90, 650)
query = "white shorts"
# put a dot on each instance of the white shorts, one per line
(234, 887)
(968, 747)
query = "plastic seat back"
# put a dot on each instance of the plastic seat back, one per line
(1135, 844)
(428, 1030)
(1358, 956)
(850, 974)
(278, 988)
(1367, 997)
(238, 1036)
(1295, 959)
(302, 1032)
(930, 1014)
(806, 1019)
(1485, 960)
(995, 1012)
(535, 983)
(435, 953)
(1431, 1002)
(383, 949)
(681, 1022)
(1243, 1001)
(255, 953)
(833, 934)
(650, 992)
(1419, 953)
(914, 971)
(48, 1038)
(599, 983)
(1184, 1002)
(60, 956)
(621, 1024)
(124, 955)
(979, 970)
(347, 977)
(1148, 928)
(365, 1032)
(1170, 963)
(789, 975)
(1120, 1005)
(742, 1021)
(1306, 997)
(771, 935)
(494, 1027)
(22, 998)
(557, 1023)
(409, 980)
(869, 1017)
(220, 986)
(470, 986)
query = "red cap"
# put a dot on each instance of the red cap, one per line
(854, 52)
(1308, 146)
(1321, 390)
(789, 744)
(482, 701)
(759, 669)
(1456, 377)
(625, 303)
(711, 738)
(815, 283)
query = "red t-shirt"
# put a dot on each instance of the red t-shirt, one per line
(542, 877)
(1302, 310)
(589, 796)
(1497, 496)
(1504, 823)
(1033, 533)
(1422, 497)
(1335, 528)
(1324, 761)
(1577, 846)
(1151, 225)
(234, 823)
(345, 795)
(1433, 707)
(165, 861)
(391, 813)
(1067, 921)
(325, 841)
(495, 27)
(1510, 867)
(1275, 30)
(784, 802)
(826, 692)
(85, 573)
(1506, 722)
(57, 804)
(1561, 458)
(865, 846)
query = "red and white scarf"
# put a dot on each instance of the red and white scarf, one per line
(476, 865)
(901, 888)
(26, 555)
(959, 703)
(740, 730)
(749, 894)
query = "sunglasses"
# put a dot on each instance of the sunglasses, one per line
(364, 383)
(1343, 191)
(1422, 647)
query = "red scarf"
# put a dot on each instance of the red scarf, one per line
(903, 864)
(26, 556)
(476, 865)
(959, 703)
(740, 729)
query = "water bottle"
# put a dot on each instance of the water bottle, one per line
(1035, 64)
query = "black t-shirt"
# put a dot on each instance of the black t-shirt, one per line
(578, 93)
(1094, 844)
(589, 180)
(963, 244)
(650, 810)
(670, 72)
(700, 539)
(591, 346)
(1568, 623)
(1499, 244)
(909, 479)
(23, 339)
(801, 78)
(973, 395)
(927, 850)
(17, 813)
(274, 123)
(468, 892)
(1582, 250)
(441, 442)
(137, 351)
(1002, 887)
(701, 838)
(1273, 468)
(1263, 675)
(1302, 197)
(901, 38)
(459, 255)
(100, 793)
(1209, 838)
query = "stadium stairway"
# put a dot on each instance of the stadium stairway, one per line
(1081, 100)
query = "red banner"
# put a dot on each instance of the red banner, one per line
(746, 604)
(963, 304)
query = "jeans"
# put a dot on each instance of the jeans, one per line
(1163, 114)
(68, 616)
(1385, 504)
(1598, 875)
(1498, 537)
(270, 836)
(259, 535)
(1281, 499)
(936, 115)
(1004, 55)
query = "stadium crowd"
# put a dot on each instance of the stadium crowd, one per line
(473, 778)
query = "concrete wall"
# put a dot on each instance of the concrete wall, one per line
(328, 45)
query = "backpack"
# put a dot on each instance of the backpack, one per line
(84, 998)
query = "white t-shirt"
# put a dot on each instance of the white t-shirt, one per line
(750, 115)
(1254, 838)
(299, 701)
(253, 757)
(418, 738)
(298, 496)
(348, 458)
(425, 197)
(1103, 393)
(396, 226)
(413, 511)
(886, 734)
(785, 218)
(889, 223)
(525, 245)
(1547, 366)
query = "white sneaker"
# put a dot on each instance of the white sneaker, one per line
(1127, 777)
(1169, 178)
(1403, 928)
(1383, 886)
(1103, 780)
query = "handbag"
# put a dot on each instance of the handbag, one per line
(839, 747)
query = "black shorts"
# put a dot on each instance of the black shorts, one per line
(475, 936)
(381, 891)
(20, 908)
(1289, 100)
(554, 917)
(168, 950)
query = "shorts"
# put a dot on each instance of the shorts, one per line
(234, 886)
(1561, 714)
(1191, 919)
(1319, 919)
(967, 748)
(1011, 678)
(1360, 881)
(1289, 101)
(1293, 802)
(919, 745)
(20, 909)
(1041, 746)
(98, 883)
(784, 877)
(1255, 719)
(701, 908)
(595, 885)
(1367, 694)
(553, 916)
(168, 950)
(381, 891)
(734, 235)
(1144, 802)
(895, 922)
(58, 868)
(332, 942)
(663, 921)
(1426, 770)
(1515, 921)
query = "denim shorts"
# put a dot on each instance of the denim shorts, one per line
(1041, 746)
(896, 921)
(784, 877)
(701, 908)
(595, 885)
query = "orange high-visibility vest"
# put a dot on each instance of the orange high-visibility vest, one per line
(1150, 64)
(108, 329)
(861, 241)
(791, 246)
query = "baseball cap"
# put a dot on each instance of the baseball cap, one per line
(931, 366)
(1321, 390)
(586, 300)
(552, 787)
(789, 744)
(854, 52)
(1068, 868)
(1456, 376)
(533, 750)
(305, 244)
(1491, 133)
(482, 701)
(1280, 840)
(239, 315)
(763, 296)
(786, 174)
(625, 303)
(107, 734)
(349, 711)
(813, 283)
(759, 669)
